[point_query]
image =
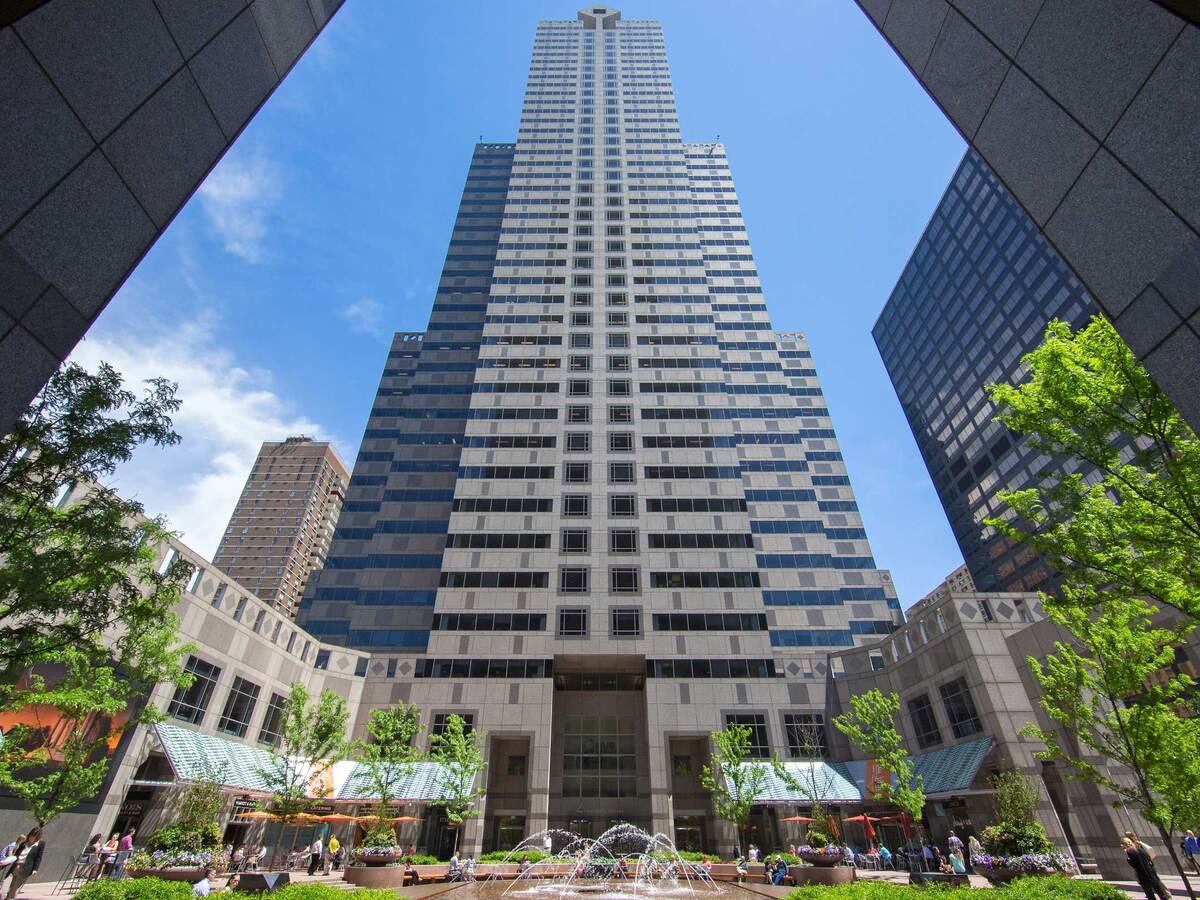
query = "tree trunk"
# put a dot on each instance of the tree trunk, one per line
(1169, 840)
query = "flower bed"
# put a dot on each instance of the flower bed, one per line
(174, 865)
(378, 856)
(1003, 869)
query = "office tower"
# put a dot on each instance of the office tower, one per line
(111, 114)
(973, 299)
(599, 508)
(1089, 114)
(282, 525)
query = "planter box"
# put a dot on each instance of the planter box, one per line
(822, 859)
(377, 859)
(190, 874)
(802, 875)
(378, 876)
(1005, 874)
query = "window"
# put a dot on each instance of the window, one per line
(239, 707)
(360, 667)
(573, 580)
(805, 735)
(272, 724)
(582, 280)
(440, 721)
(572, 622)
(579, 387)
(580, 340)
(617, 299)
(581, 319)
(620, 472)
(760, 746)
(924, 722)
(626, 621)
(575, 540)
(391, 668)
(576, 505)
(171, 555)
(581, 299)
(620, 387)
(877, 661)
(322, 660)
(240, 609)
(618, 318)
(579, 415)
(681, 764)
(599, 757)
(189, 704)
(193, 584)
(622, 540)
(624, 580)
(620, 442)
(618, 341)
(516, 766)
(622, 505)
(985, 609)
(579, 441)
(219, 595)
(579, 363)
(619, 415)
(615, 280)
(618, 363)
(960, 708)
(258, 621)
(577, 472)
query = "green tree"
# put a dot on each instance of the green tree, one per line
(1107, 690)
(1017, 830)
(870, 724)
(87, 625)
(735, 781)
(197, 823)
(1132, 527)
(389, 755)
(459, 751)
(312, 736)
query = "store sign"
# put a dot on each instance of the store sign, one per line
(130, 809)
(244, 804)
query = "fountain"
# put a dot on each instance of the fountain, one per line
(624, 863)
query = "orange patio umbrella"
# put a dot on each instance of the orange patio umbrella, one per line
(866, 824)
(796, 819)
(258, 814)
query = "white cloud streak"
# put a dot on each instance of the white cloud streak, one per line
(238, 199)
(227, 412)
(365, 316)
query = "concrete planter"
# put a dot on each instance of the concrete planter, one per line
(821, 874)
(821, 859)
(190, 874)
(377, 859)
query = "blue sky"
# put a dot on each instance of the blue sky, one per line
(272, 295)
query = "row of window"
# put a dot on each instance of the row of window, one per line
(190, 704)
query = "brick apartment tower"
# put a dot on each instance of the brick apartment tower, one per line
(599, 508)
(281, 528)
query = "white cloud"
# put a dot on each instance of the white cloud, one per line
(237, 199)
(365, 315)
(227, 412)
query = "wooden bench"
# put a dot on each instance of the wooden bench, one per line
(946, 878)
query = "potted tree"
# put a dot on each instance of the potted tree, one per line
(388, 757)
(181, 851)
(1016, 844)
(459, 751)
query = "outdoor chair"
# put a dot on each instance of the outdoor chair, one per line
(77, 873)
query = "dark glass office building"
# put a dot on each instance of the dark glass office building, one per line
(974, 298)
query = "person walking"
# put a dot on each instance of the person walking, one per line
(974, 849)
(1191, 849)
(314, 855)
(28, 863)
(1143, 869)
(331, 851)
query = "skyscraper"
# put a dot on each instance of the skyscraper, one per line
(281, 528)
(974, 298)
(599, 508)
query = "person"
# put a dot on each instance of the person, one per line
(1143, 869)
(1191, 849)
(314, 855)
(957, 865)
(108, 853)
(885, 857)
(524, 866)
(126, 843)
(27, 863)
(742, 869)
(410, 871)
(753, 854)
(791, 850)
(331, 851)
(847, 855)
(781, 869)
(412, 850)
(232, 884)
(974, 850)
(260, 858)
(954, 842)
(339, 857)
(90, 868)
(454, 873)
(548, 843)
(469, 868)
(203, 887)
(238, 859)
(939, 861)
(927, 855)
(11, 858)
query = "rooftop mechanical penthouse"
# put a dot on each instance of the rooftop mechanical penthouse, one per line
(599, 509)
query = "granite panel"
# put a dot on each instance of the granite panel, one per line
(106, 58)
(1174, 366)
(1093, 55)
(964, 72)
(287, 26)
(1146, 321)
(20, 285)
(912, 26)
(1139, 239)
(1179, 282)
(1005, 22)
(40, 138)
(164, 149)
(1035, 147)
(1158, 137)
(85, 236)
(193, 24)
(876, 9)
(55, 322)
(26, 365)
(235, 73)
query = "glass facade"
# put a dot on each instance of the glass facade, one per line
(975, 297)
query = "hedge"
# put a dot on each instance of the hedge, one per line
(157, 889)
(1054, 887)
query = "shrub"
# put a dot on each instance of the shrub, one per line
(864, 890)
(1014, 839)
(424, 859)
(497, 856)
(135, 889)
(1058, 887)
(328, 892)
